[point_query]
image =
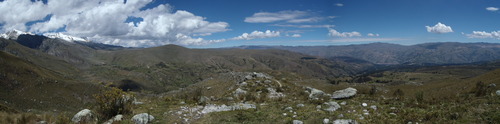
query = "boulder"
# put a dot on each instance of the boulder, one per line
(297, 122)
(345, 93)
(239, 92)
(345, 121)
(84, 116)
(142, 118)
(331, 106)
(315, 93)
(498, 92)
(326, 121)
(273, 94)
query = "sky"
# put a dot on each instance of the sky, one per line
(227, 23)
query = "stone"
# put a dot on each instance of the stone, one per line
(373, 107)
(326, 121)
(345, 93)
(203, 100)
(331, 106)
(218, 108)
(117, 118)
(208, 88)
(498, 92)
(315, 93)
(288, 108)
(267, 81)
(343, 103)
(142, 118)
(300, 105)
(272, 94)
(243, 84)
(345, 121)
(238, 92)
(84, 116)
(42, 122)
(297, 122)
(364, 104)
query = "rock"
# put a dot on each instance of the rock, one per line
(248, 77)
(203, 100)
(315, 93)
(84, 116)
(114, 119)
(364, 104)
(345, 93)
(297, 122)
(498, 92)
(345, 121)
(326, 121)
(42, 122)
(267, 81)
(273, 94)
(218, 108)
(208, 88)
(300, 105)
(373, 107)
(331, 106)
(343, 103)
(238, 92)
(243, 84)
(340, 116)
(318, 107)
(288, 108)
(142, 118)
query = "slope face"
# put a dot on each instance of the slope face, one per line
(382, 53)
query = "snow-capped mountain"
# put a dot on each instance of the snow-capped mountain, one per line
(14, 34)
(65, 37)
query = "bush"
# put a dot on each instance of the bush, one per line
(113, 102)
(398, 94)
(480, 89)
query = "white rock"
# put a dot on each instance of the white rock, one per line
(272, 94)
(345, 121)
(326, 121)
(142, 118)
(345, 93)
(114, 119)
(84, 115)
(300, 105)
(364, 104)
(343, 103)
(498, 92)
(315, 93)
(297, 122)
(331, 106)
(373, 107)
(288, 108)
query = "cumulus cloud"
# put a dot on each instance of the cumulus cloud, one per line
(335, 33)
(296, 35)
(106, 21)
(286, 16)
(493, 9)
(257, 34)
(373, 35)
(439, 28)
(484, 34)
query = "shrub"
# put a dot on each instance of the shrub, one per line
(398, 94)
(112, 102)
(480, 89)
(419, 96)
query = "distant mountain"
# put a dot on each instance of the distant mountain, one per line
(384, 53)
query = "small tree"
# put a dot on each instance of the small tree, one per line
(113, 101)
(398, 94)
(480, 89)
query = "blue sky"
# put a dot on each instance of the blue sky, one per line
(226, 23)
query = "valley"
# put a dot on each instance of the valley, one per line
(52, 79)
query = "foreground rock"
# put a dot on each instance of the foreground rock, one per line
(315, 93)
(84, 116)
(297, 122)
(142, 118)
(344, 94)
(345, 121)
(331, 106)
(219, 108)
(117, 118)
(498, 92)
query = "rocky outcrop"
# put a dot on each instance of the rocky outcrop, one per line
(344, 94)
(117, 118)
(218, 108)
(142, 118)
(84, 116)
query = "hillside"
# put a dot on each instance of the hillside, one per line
(384, 53)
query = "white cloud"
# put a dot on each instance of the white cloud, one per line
(257, 34)
(339, 4)
(493, 9)
(105, 21)
(296, 35)
(373, 35)
(439, 28)
(335, 33)
(286, 16)
(304, 26)
(484, 34)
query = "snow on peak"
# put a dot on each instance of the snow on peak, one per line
(14, 34)
(65, 37)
